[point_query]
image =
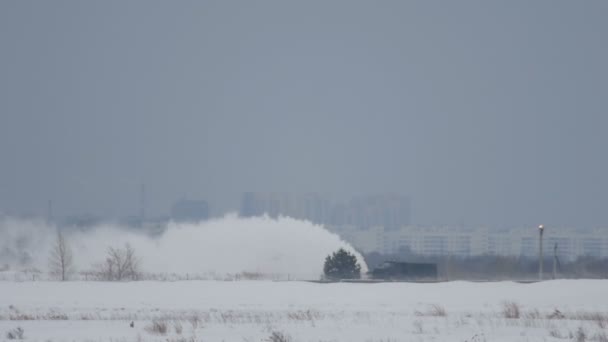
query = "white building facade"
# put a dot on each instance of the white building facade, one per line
(467, 242)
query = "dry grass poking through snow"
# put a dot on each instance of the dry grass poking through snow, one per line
(434, 310)
(437, 311)
(158, 327)
(511, 310)
(278, 336)
(15, 334)
(601, 319)
(431, 323)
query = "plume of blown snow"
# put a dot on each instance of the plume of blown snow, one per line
(23, 242)
(228, 245)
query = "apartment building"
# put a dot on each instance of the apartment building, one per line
(466, 242)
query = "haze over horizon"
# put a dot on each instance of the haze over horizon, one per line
(481, 113)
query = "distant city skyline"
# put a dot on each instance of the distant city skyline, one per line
(459, 242)
(479, 112)
(390, 211)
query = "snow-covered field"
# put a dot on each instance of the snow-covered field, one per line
(559, 310)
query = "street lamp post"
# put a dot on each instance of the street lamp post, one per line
(541, 229)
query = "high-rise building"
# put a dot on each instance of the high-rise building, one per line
(390, 211)
(387, 210)
(190, 211)
(311, 206)
(250, 206)
(272, 204)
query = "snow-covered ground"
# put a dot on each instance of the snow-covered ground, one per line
(559, 310)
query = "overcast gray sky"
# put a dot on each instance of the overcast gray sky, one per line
(483, 112)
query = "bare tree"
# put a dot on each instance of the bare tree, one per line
(132, 263)
(120, 264)
(61, 261)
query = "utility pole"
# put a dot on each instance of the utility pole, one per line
(142, 204)
(541, 229)
(49, 213)
(554, 260)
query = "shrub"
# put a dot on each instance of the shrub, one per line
(194, 320)
(15, 334)
(554, 332)
(178, 327)
(157, 327)
(437, 311)
(511, 310)
(277, 336)
(601, 337)
(581, 335)
(556, 315)
(597, 317)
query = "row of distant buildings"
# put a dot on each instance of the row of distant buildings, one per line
(381, 223)
(183, 210)
(463, 242)
(389, 211)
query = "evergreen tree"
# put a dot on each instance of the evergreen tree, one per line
(342, 265)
